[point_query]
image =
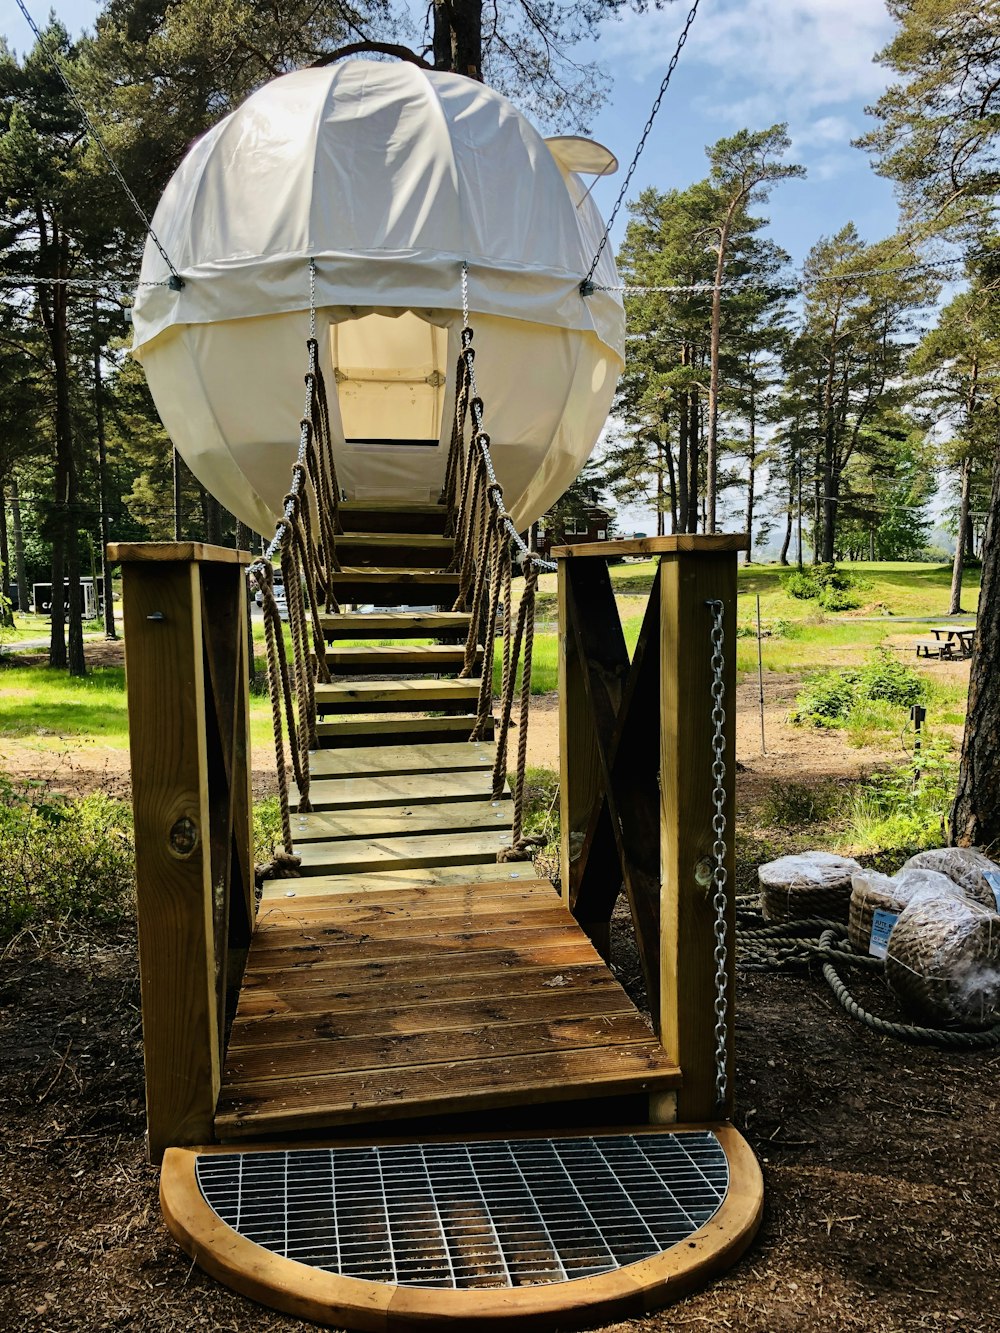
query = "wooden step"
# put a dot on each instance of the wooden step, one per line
(396, 586)
(392, 789)
(402, 852)
(368, 516)
(382, 696)
(382, 760)
(395, 625)
(382, 882)
(385, 660)
(397, 549)
(416, 817)
(400, 730)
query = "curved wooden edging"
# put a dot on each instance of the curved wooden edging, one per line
(328, 1298)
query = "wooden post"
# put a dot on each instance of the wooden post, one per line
(689, 579)
(581, 783)
(184, 608)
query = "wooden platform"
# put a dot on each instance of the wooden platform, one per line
(431, 998)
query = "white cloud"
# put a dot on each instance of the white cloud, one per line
(793, 56)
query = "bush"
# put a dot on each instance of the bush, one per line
(886, 677)
(906, 808)
(793, 804)
(826, 700)
(63, 858)
(837, 599)
(801, 585)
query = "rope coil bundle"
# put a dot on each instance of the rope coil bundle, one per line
(872, 892)
(943, 962)
(810, 884)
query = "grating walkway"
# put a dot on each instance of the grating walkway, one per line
(494, 1214)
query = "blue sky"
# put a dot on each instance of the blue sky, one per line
(746, 63)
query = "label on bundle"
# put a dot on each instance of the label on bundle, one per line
(882, 924)
(992, 878)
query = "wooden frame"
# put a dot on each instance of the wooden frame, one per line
(635, 780)
(185, 609)
(330, 1299)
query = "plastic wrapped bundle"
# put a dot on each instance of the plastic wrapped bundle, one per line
(943, 962)
(877, 900)
(969, 868)
(807, 884)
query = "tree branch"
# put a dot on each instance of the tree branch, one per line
(378, 48)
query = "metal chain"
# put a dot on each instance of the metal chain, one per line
(585, 285)
(719, 872)
(482, 440)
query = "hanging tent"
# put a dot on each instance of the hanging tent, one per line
(389, 177)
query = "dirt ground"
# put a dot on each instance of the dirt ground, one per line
(880, 1160)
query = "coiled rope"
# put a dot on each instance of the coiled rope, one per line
(763, 947)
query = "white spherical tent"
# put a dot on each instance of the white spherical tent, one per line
(388, 177)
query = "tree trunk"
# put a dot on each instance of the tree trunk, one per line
(712, 445)
(694, 449)
(458, 37)
(672, 480)
(102, 478)
(958, 564)
(6, 614)
(660, 524)
(683, 443)
(975, 816)
(752, 470)
(178, 499)
(21, 573)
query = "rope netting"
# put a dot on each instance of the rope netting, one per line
(486, 544)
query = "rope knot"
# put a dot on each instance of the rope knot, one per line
(283, 866)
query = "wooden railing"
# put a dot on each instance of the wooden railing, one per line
(636, 780)
(185, 614)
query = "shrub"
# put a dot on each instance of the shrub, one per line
(837, 599)
(826, 700)
(62, 858)
(905, 808)
(886, 677)
(793, 804)
(801, 585)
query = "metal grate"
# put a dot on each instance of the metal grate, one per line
(506, 1213)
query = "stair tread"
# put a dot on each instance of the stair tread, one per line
(390, 573)
(372, 690)
(430, 539)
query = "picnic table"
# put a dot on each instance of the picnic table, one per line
(950, 642)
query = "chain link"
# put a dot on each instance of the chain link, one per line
(719, 872)
(585, 286)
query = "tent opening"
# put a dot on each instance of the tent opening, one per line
(391, 376)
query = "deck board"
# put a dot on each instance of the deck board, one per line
(359, 1008)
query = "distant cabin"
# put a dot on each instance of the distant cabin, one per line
(592, 525)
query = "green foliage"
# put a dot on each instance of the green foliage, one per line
(793, 804)
(833, 698)
(62, 859)
(884, 676)
(905, 808)
(266, 829)
(833, 588)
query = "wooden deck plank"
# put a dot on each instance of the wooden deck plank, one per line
(307, 1060)
(394, 624)
(411, 904)
(334, 998)
(390, 881)
(366, 1095)
(498, 962)
(434, 1014)
(347, 731)
(383, 946)
(399, 853)
(403, 818)
(397, 693)
(365, 793)
(399, 760)
(429, 657)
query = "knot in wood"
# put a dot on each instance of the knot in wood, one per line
(183, 836)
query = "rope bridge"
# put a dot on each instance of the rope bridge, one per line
(305, 543)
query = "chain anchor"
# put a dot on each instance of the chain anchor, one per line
(719, 880)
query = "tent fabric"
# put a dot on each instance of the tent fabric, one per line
(388, 177)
